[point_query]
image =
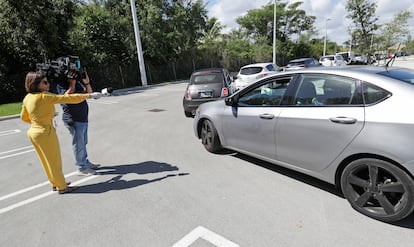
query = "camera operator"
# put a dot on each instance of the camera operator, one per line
(75, 118)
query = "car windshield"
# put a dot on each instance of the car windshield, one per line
(402, 75)
(251, 70)
(207, 78)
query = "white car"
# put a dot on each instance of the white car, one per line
(332, 60)
(253, 72)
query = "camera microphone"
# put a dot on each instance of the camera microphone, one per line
(107, 91)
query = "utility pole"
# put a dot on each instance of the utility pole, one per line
(324, 43)
(138, 42)
(274, 34)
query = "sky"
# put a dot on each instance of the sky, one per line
(226, 11)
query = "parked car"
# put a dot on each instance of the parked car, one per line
(332, 60)
(361, 59)
(206, 85)
(349, 56)
(302, 63)
(252, 72)
(331, 123)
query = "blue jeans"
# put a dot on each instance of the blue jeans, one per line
(79, 133)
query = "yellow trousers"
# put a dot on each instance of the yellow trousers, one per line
(46, 144)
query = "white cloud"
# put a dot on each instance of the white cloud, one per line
(226, 11)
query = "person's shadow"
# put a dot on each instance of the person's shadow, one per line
(118, 183)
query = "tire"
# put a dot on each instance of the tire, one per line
(378, 189)
(209, 137)
(188, 114)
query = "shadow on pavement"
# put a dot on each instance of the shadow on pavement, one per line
(118, 183)
(407, 222)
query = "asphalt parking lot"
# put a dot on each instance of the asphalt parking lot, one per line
(158, 186)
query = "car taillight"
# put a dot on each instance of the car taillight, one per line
(187, 95)
(224, 92)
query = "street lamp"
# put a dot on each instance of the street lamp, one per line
(324, 43)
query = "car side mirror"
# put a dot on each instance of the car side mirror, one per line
(231, 101)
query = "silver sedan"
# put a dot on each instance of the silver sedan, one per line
(347, 126)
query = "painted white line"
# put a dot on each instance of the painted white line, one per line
(17, 149)
(201, 232)
(22, 203)
(35, 198)
(31, 188)
(11, 155)
(31, 149)
(24, 190)
(9, 132)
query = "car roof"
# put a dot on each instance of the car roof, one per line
(214, 70)
(300, 59)
(256, 65)
(344, 70)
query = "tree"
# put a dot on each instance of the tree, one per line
(362, 14)
(30, 32)
(211, 42)
(396, 31)
(291, 21)
(170, 28)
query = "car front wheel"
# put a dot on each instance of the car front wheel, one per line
(378, 189)
(209, 137)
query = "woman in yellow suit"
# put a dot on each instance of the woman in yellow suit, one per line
(38, 109)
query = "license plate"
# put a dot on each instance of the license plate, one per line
(206, 94)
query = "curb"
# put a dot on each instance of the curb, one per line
(9, 117)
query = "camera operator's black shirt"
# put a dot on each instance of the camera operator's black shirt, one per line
(74, 112)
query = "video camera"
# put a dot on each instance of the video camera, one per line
(58, 69)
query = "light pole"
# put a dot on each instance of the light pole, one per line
(138, 43)
(324, 43)
(274, 34)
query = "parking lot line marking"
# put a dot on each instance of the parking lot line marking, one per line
(38, 197)
(17, 149)
(31, 149)
(31, 188)
(201, 232)
(11, 155)
(9, 132)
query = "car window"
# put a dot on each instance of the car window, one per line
(402, 75)
(326, 90)
(270, 67)
(373, 94)
(251, 70)
(207, 78)
(268, 94)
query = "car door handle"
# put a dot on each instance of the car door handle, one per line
(343, 120)
(266, 116)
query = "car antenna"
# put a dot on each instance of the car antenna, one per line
(393, 58)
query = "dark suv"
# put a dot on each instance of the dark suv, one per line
(206, 85)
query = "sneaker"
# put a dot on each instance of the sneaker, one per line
(93, 166)
(86, 172)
